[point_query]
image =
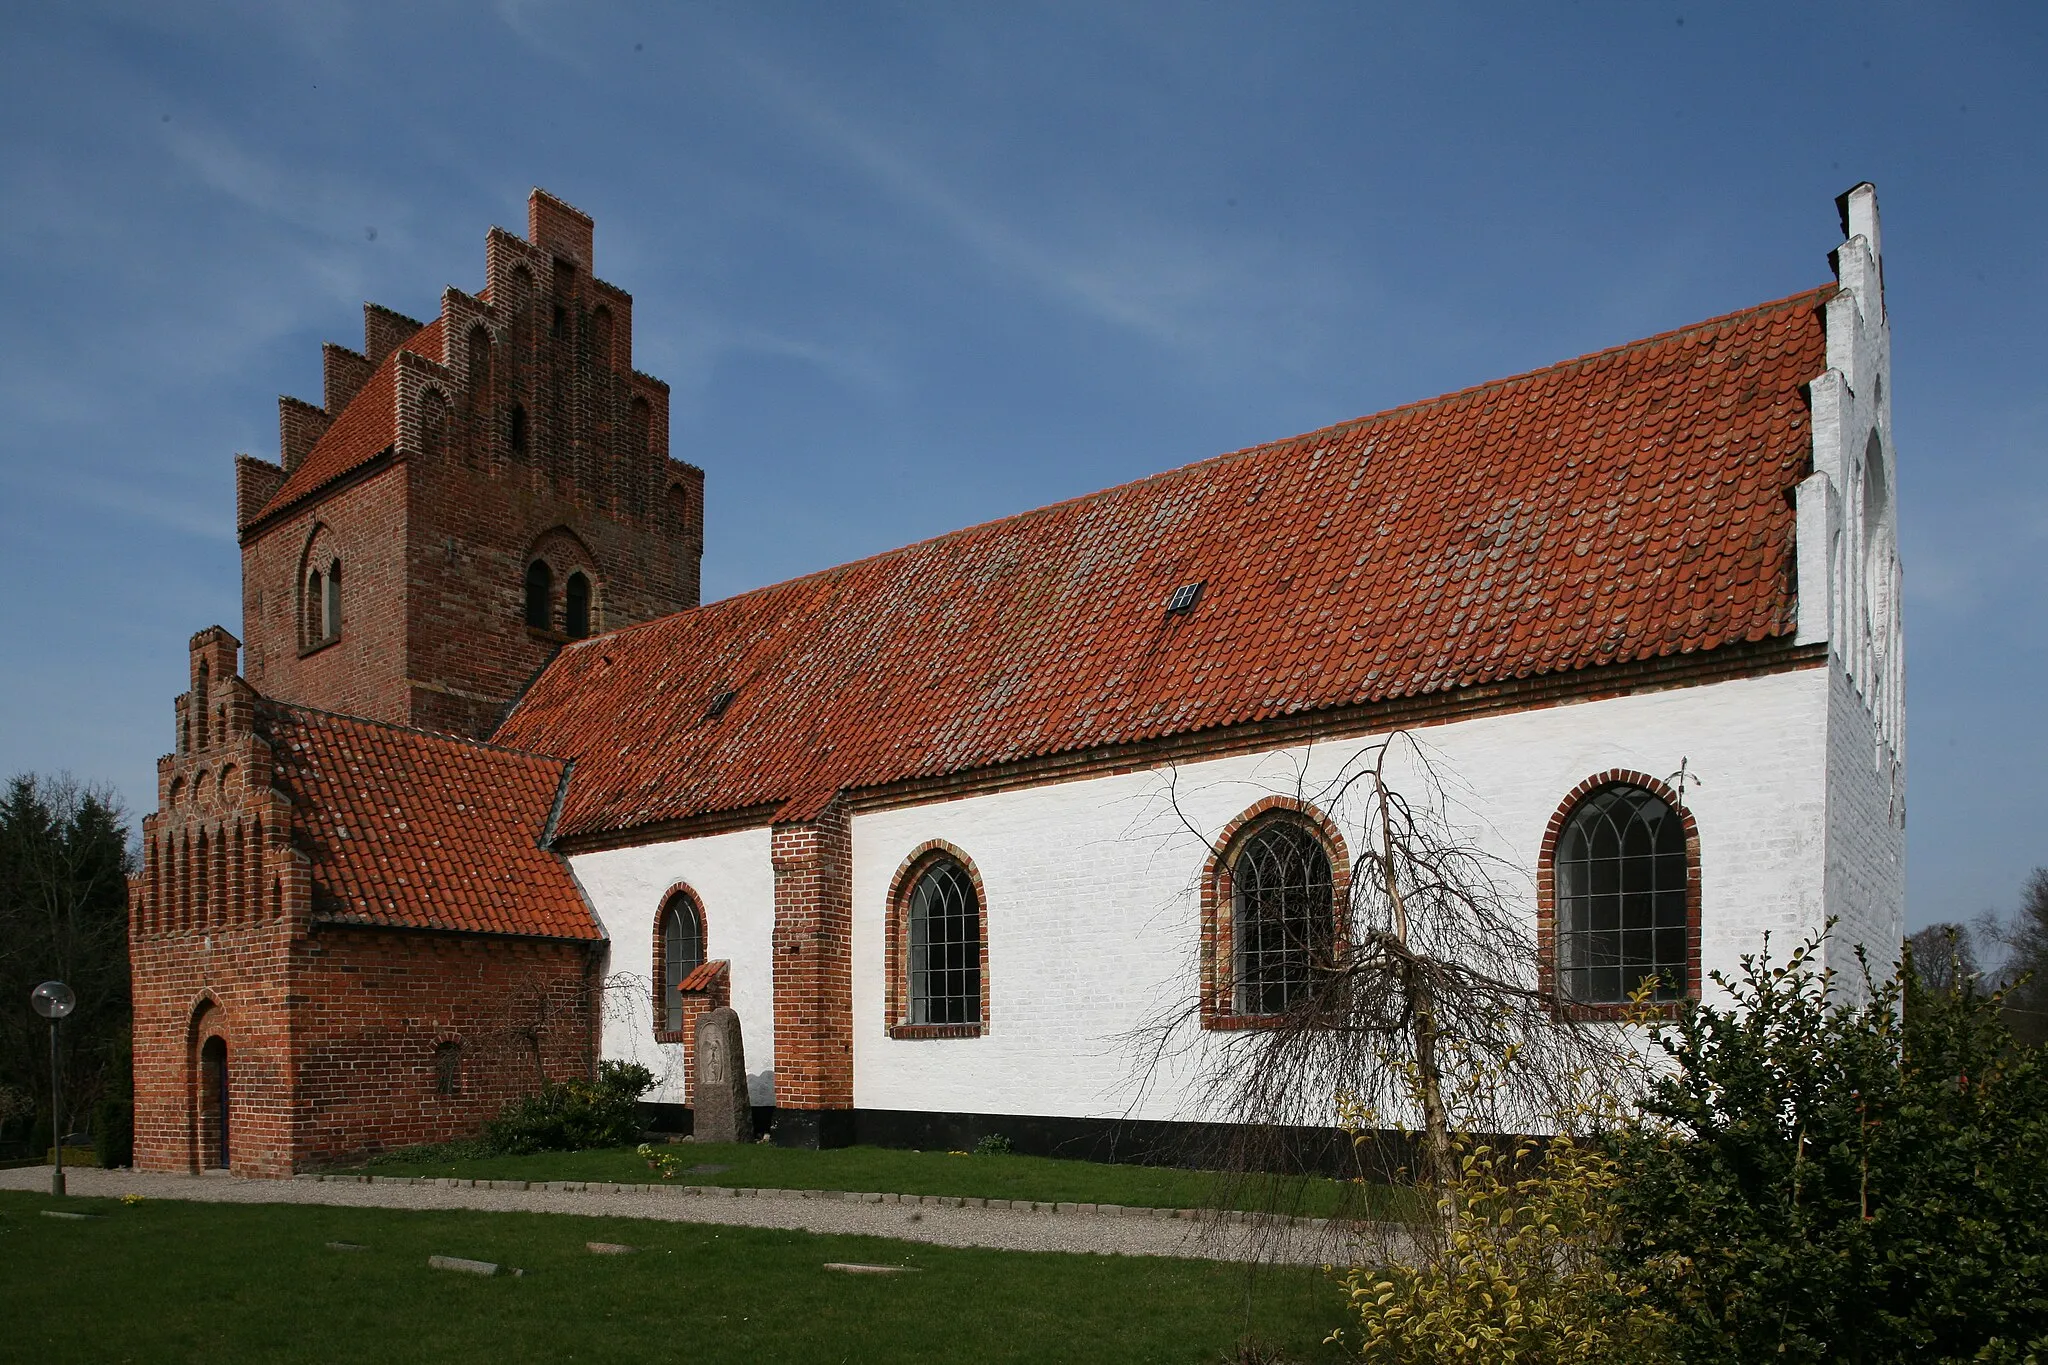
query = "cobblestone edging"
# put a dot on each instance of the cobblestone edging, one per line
(942, 1201)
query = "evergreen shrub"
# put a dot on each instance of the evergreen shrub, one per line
(1840, 1175)
(567, 1116)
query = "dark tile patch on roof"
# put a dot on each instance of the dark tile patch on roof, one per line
(408, 829)
(1623, 506)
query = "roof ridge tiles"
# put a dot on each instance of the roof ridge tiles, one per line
(460, 741)
(1817, 294)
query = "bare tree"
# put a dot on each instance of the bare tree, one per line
(1424, 1007)
(2024, 971)
(1945, 957)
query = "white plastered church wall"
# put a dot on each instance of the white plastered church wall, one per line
(734, 879)
(1093, 886)
(1850, 580)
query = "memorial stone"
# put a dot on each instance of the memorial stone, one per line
(722, 1112)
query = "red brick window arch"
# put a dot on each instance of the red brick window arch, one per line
(679, 949)
(1274, 896)
(937, 946)
(319, 591)
(1618, 894)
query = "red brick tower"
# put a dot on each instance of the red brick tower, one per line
(472, 492)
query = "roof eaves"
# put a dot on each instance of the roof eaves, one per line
(279, 511)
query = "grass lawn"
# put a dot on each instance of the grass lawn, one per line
(892, 1171)
(165, 1280)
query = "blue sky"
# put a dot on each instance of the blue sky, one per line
(910, 267)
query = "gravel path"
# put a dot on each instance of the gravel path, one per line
(1106, 1230)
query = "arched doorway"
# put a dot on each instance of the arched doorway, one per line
(213, 1103)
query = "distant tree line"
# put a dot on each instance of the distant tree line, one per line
(1990, 955)
(64, 867)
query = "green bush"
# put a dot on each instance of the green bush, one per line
(113, 1133)
(1817, 1179)
(994, 1144)
(567, 1116)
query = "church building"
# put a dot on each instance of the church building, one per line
(484, 793)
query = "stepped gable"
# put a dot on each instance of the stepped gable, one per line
(1623, 506)
(365, 429)
(408, 829)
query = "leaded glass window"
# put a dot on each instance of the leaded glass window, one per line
(682, 952)
(1621, 898)
(945, 946)
(1283, 916)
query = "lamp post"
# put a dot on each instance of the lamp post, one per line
(53, 1000)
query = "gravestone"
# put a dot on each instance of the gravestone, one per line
(722, 1112)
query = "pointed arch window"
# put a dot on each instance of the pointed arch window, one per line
(316, 594)
(682, 952)
(1622, 869)
(937, 947)
(540, 595)
(320, 601)
(945, 947)
(1283, 916)
(330, 603)
(576, 606)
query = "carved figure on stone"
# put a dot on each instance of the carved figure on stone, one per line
(719, 1096)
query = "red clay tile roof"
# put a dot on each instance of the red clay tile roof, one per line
(421, 831)
(366, 428)
(704, 976)
(1622, 506)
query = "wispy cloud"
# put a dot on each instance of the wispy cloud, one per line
(1119, 289)
(126, 498)
(318, 203)
(524, 20)
(692, 349)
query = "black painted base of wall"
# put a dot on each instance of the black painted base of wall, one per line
(816, 1128)
(677, 1120)
(1144, 1142)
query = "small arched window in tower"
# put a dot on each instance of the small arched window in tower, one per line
(576, 606)
(682, 952)
(1284, 916)
(601, 338)
(316, 599)
(540, 594)
(330, 604)
(515, 429)
(1622, 897)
